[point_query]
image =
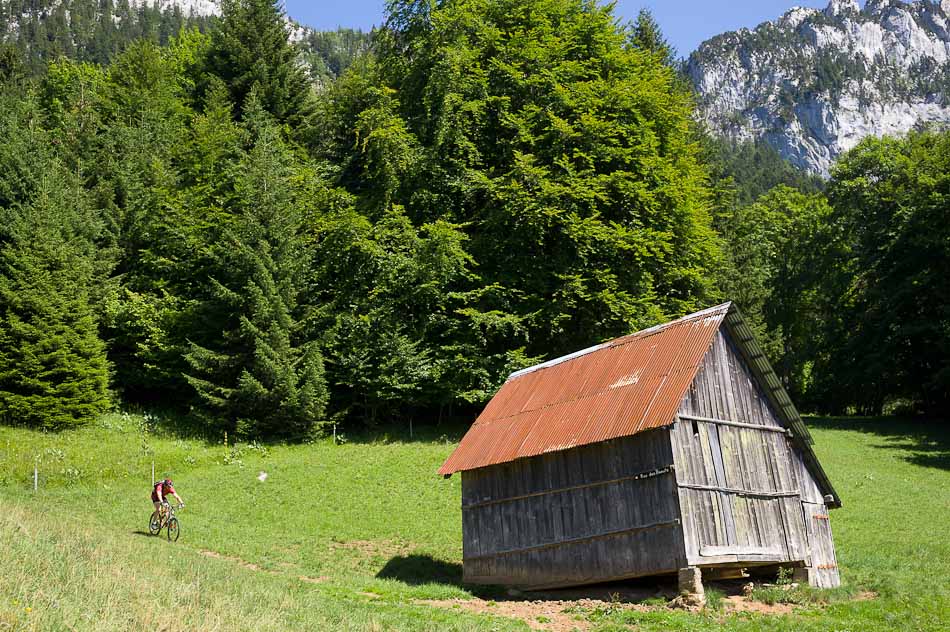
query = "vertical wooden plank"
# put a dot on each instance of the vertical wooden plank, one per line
(715, 453)
(821, 545)
(726, 501)
(682, 448)
(726, 373)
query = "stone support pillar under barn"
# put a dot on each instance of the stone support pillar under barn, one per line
(671, 449)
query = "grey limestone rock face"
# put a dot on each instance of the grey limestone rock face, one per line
(840, 7)
(814, 83)
(188, 7)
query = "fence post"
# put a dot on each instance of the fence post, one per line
(334, 434)
(153, 473)
(410, 428)
(36, 478)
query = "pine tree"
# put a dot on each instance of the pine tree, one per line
(53, 368)
(261, 375)
(123, 128)
(648, 37)
(250, 51)
(12, 68)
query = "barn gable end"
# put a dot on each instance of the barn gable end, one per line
(746, 491)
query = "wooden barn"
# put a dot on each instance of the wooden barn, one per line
(674, 450)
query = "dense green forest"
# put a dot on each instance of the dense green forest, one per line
(34, 33)
(329, 53)
(41, 31)
(195, 223)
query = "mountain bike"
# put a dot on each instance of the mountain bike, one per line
(169, 523)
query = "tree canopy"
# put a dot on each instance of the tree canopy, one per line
(206, 222)
(563, 151)
(888, 303)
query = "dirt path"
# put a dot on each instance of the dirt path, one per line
(254, 567)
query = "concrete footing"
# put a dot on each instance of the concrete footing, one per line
(691, 581)
(692, 596)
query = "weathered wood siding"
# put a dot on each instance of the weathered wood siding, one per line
(822, 554)
(594, 513)
(741, 482)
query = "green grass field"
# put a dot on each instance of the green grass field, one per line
(353, 536)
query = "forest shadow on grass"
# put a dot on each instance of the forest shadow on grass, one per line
(927, 440)
(174, 424)
(162, 421)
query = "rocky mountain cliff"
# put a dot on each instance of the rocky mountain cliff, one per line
(188, 7)
(813, 83)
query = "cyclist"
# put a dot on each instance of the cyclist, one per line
(160, 491)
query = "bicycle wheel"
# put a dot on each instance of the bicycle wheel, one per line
(172, 529)
(154, 524)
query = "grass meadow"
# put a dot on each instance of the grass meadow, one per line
(356, 536)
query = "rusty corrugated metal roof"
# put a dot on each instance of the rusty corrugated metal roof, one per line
(616, 389)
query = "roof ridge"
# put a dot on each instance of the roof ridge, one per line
(616, 342)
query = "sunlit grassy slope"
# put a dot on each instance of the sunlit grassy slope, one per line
(350, 536)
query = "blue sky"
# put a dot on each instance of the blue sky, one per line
(686, 23)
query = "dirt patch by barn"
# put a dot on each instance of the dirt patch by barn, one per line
(569, 615)
(555, 616)
(572, 609)
(738, 603)
(566, 609)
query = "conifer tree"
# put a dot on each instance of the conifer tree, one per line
(12, 68)
(648, 37)
(261, 375)
(53, 367)
(250, 51)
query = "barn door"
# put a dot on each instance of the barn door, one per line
(821, 546)
(753, 505)
(738, 493)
